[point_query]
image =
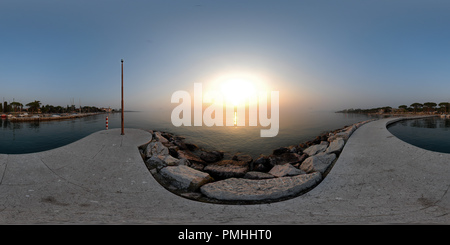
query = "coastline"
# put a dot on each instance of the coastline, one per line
(209, 176)
(50, 117)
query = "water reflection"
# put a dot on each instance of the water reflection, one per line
(428, 133)
(295, 128)
(433, 122)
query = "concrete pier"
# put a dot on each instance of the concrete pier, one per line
(101, 179)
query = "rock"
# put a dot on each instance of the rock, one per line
(227, 169)
(195, 165)
(294, 149)
(181, 145)
(173, 151)
(314, 149)
(317, 140)
(212, 156)
(156, 148)
(262, 164)
(185, 178)
(350, 129)
(285, 170)
(191, 157)
(283, 158)
(155, 163)
(244, 158)
(257, 190)
(168, 136)
(170, 160)
(160, 138)
(318, 163)
(280, 151)
(301, 159)
(336, 146)
(160, 161)
(191, 147)
(257, 175)
(344, 133)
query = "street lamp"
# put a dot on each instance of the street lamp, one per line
(122, 98)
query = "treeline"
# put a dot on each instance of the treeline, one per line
(427, 107)
(35, 107)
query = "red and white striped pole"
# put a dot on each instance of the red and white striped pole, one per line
(106, 123)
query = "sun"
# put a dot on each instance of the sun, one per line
(237, 91)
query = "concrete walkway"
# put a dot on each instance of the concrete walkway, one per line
(101, 179)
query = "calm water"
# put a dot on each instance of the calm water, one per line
(27, 137)
(428, 133)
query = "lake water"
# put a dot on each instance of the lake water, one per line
(428, 133)
(27, 137)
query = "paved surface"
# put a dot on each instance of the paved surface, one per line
(101, 179)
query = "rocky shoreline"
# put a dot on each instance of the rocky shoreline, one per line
(219, 177)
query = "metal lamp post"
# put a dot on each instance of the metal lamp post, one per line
(122, 98)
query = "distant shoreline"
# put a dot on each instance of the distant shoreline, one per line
(50, 117)
(404, 114)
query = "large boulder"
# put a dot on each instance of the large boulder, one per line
(161, 138)
(318, 163)
(211, 156)
(186, 154)
(283, 158)
(280, 151)
(184, 177)
(160, 161)
(257, 175)
(154, 162)
(238, 189)
(314, 149)
(344, 133)
(156, 148)
(262, 164)
(244, 158)
(285, 170)
(227, 169)
(336, 146)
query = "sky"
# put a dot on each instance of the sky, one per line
(319, 55)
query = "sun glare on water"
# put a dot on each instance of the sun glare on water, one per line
(237, 91)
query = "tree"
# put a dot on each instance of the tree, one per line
(387, 109)
(429, 105)
(444, 105)
(415, 106)
(403, 107)
(34, 106)
(16, 105)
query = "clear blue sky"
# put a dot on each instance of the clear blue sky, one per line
(318, 54)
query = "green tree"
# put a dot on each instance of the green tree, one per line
(16, 105)
(444, 106)
(34, 106)
(416, 106)
(403, 107)
(429, 105)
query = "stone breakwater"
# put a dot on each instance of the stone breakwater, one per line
(220, 177)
